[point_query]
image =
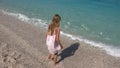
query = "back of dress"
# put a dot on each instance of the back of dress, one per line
(52, 45)
(50, 41)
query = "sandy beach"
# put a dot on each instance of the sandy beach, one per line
(22, 45)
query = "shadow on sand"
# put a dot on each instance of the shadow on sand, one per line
(69, 51)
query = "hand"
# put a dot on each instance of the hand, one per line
(61, 47)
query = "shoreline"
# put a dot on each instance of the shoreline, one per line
(33, 38)
(109, 49)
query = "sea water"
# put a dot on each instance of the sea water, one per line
(95, 22)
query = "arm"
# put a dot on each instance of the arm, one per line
(47, 30)
(58, 37)
(46, 35)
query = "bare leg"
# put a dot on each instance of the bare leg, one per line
(49, 56)
(55, 58)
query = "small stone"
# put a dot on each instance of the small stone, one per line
(10, 66)
(12, 54)
(20, 66)
(11, 60)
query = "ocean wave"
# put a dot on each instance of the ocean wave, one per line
(110, 49)
(25, 18)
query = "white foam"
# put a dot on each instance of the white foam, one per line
(108, 48)
(68, 23)
(25, 18)
(84, 27)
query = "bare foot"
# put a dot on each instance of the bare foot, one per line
(48, 57)
(55, 64)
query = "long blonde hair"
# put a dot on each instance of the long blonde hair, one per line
(55, 23)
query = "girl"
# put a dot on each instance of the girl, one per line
(52, 38)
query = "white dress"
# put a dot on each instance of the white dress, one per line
(52, 45)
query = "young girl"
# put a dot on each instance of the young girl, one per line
(52, 38)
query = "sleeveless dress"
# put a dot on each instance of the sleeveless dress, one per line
(51, 43)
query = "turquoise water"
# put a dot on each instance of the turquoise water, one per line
(96, 21)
